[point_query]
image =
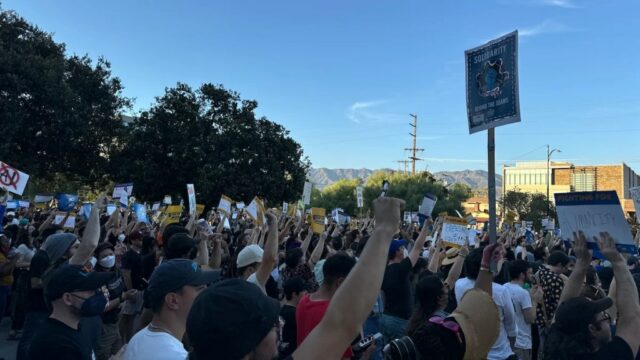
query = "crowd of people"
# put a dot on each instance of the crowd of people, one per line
(229, 288)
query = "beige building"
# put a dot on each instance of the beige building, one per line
(532, 177)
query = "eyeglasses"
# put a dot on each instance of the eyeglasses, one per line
(449, 325)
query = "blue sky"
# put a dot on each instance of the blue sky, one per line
(343, 76)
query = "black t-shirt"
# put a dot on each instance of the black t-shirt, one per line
(132, 260)
(116, 287)
(149, 264)
(288, 314)
(39, 264)
(617, 349)
(55, 340)
(397, 289)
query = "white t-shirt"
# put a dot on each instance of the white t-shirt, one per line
(521, 301)
(154, 345)
(501, 349)
(27, 254)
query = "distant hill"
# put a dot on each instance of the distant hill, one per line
(475, 179)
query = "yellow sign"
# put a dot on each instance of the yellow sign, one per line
(318, 216)
(199, 209)
(172, 214)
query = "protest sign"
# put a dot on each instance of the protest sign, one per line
(172, 214)
(67, 202)
(23, 204)
(141, 213)
(85, 210)
(111, 208)
(199, 209)
(12, 179)
(3, 210)
(191, 193)
(59, 218)
(427, 205)
(471, 220)
(285, 207)
(492, 83)
(635, 195)
(167, 200)
(472, 237)
(318, 217)
(360, 196)
(40, 198)
(291, 210)
(70, 222)
(306, 193)
(529, 237)
(454, 231)
(155, 206)
(225, 204)
(255, 209)
(240, 205)
(121, 189)
(592, 213)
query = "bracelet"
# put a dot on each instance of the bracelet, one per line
(482, 268)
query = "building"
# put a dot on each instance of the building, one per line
(531, 177)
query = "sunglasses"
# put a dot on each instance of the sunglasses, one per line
(449, 325)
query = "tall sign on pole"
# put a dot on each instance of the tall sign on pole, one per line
(492, 99)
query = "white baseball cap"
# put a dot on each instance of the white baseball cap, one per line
(249, 255)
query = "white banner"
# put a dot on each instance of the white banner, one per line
(191, 192)
(306, 193)
(11, 179)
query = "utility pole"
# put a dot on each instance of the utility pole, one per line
(405, 162)
(414, 148)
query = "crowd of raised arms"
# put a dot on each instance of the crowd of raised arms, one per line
(225, 288)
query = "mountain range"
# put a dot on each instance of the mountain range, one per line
(475, 179)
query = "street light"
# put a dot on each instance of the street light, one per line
(549, 152)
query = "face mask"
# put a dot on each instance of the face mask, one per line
(121, 237)
(94, 306)
(108, 261)
(93, 262)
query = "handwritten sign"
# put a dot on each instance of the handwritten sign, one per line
(592, 213)
(191, 192)
(635, 195)
(12, 179)
(225, 204)
(472, 236)
(120, 190)
(454, 231)
(428, 203)
(172, 214)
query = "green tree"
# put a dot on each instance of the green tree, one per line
(209, 137)
(529, 207)
(517, 202)
(59, 115)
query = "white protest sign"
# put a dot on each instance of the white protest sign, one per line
(110, 209)
(360, 197)
(472, 237)
(119, 190)
(635, 195)
(225, 204)
(70, 223)
(285, 207)
(59, 218)
(23, 204)
(12, 179)
(42, 199)
(428, 203)
(255, 211)
(240, 205)
(454, 231)
(155, 206)
(592, 213)
(191, 192)
(167, 200)
(306, 193)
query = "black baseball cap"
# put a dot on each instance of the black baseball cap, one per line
(173, 274)
(71, 278)
(230, 319)
(576, 314)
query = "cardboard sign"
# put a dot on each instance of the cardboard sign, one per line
(635, 195)
(306, 193)
(12, 179)
(199, 209)
(67, 202)
(119, 190)
(172, 214)
(240, 205)
(318, 217)
(428, 203)
(39, 199)
(191, 193)
(454, 231)
(360, 196)
(111, 208)
(256, 211)
(85, 210)
(492, 83)
(592, 213)
(225, 204)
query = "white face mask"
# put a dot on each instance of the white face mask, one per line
(108, 262)
(93, 261)
(121, 237)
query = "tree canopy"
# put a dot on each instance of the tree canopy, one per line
(529, 207)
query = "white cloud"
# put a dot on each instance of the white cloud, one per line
(369, 112)
(567, 4)
(544, 27)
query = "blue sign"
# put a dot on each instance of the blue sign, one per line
(492, 83)
(529, 236)
(141, 213)
(67, 202)
(85, 210)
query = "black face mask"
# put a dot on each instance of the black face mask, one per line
(94, 305)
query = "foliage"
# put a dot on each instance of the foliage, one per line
(411, 188)
(59, 114)
(529, 207)
(211, 138)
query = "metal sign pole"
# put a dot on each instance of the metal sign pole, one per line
(491, 153)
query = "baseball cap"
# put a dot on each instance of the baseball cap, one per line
(11, 213)
(395, 245)
(70, 278)
(230, 319)
(478, 317)
(173, 274)
(575, 314)
(249, 255)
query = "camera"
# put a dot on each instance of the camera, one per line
(401, 349)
